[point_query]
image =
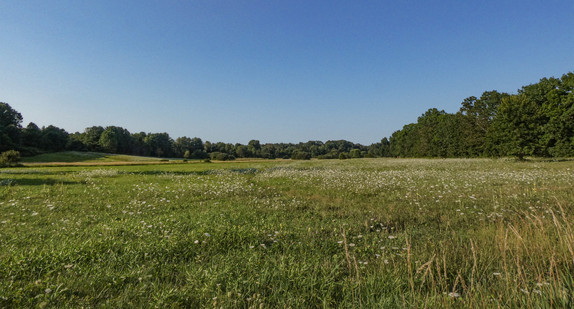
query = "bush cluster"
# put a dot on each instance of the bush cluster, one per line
(9, 158)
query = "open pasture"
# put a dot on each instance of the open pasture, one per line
(367, 233)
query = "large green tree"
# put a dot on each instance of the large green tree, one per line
(160, 144)
(254, 148)
(54, 138)
(115, 140)
(139, 145)
(517, 129)
(31, 135)
(91, 137)
(402, 142)
(476, 118)
(192, 146)
(558, 106)
(10, 125)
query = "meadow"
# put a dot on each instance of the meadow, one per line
(364, 233)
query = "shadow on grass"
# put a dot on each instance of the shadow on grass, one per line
(200, 173)
(41, 182)
(26, 171)
(66, 157)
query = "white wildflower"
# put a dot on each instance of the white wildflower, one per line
(525, 291)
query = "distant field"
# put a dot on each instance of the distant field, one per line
(83, 158)
(366, 233)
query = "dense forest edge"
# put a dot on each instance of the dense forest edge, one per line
(536, 121)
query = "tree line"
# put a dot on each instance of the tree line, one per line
(31, 140)
(536, 121)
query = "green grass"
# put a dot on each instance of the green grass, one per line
(87, 157)
(368, 233)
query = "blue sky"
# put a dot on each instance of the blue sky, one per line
(276, 71)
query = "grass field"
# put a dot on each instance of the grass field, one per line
(366, 233)
(79, 158)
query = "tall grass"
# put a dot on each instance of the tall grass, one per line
(376, 233)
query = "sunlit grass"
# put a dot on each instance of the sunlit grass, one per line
(356, 233)
(85, 157)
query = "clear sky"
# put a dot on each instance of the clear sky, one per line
(276, 71)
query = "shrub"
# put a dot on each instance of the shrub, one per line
(343, 156)
(29, 151)
(355, 153)
(330, 155)
(199, 154)
(220, 156)
(300, 155)
(9, 158)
